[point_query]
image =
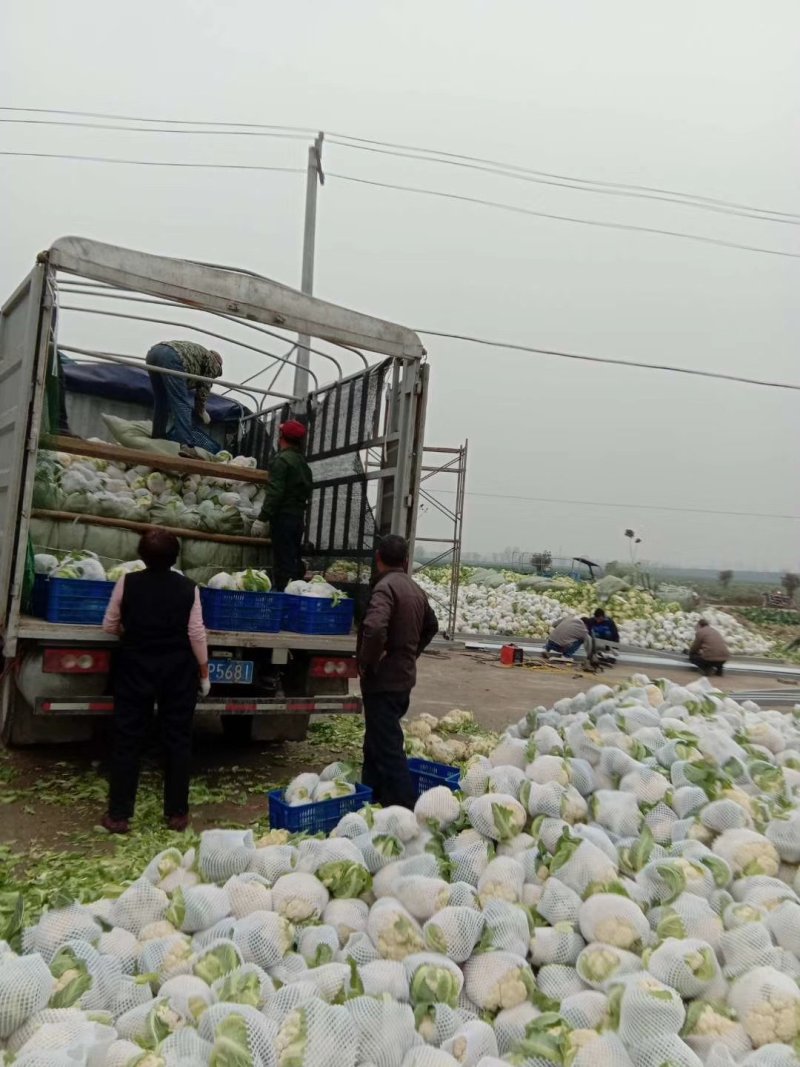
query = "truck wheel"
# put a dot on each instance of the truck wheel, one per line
(238, 729)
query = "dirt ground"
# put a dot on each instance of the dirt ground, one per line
(37, 786)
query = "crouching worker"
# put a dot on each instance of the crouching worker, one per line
(162, 660)
(567, 636)
(708, 652)
(397, 627)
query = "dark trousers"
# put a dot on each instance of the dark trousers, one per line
(706, 666)
(140, 682)
(385, 766)
(286, 532)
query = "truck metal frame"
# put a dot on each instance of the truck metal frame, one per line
(380, 408)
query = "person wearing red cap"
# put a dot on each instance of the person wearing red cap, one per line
(288, 493)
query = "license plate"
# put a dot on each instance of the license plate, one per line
(231, 671)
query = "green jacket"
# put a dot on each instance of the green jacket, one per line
(289, 486)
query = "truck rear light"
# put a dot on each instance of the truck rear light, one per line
(76, 661)
(336, 667)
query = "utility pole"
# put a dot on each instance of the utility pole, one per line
(314, 176)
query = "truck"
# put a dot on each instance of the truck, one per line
(364, 445)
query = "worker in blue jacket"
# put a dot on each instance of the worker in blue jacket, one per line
(602, 627)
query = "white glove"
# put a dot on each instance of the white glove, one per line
(205, 686)
(259, 528)
(206, 418)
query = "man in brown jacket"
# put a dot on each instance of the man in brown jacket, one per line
(708, 651)
(397, 626)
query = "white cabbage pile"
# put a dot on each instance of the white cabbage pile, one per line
(675, 631)
(450, 739)
(190, 502)
(77, 565)
(251, 580)
(642, 618)
(616, 885)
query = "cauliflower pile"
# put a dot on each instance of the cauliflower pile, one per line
(617, 884)
(643, 619)
(452, 739)
(190, 502)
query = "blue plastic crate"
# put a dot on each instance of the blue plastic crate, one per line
(39, 596)
(77, 600)
(318, 615)
(314, 818)
(230, 609)
(427, 774)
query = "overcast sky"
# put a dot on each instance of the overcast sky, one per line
(696, 97)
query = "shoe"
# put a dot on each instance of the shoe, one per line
(178, 823)
(115, 826)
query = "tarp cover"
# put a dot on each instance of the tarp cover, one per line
(131, 385)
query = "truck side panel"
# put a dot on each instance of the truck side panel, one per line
(24, 327)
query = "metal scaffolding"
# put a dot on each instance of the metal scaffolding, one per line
(434, 463)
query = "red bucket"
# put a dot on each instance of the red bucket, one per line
(509, 655)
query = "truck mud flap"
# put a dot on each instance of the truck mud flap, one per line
(322, 705)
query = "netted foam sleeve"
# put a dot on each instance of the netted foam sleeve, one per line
(60, 925)
(498, 980)
(237, 1030)
(123, 945)
(131, 992)
(614, 920)
(437, 807)
(313, 854)
(766, 992)
(658, 1050)
(468, 862)
(198, 907)
(470, 1042)
(351, 825)
(357, 948)
(454, 932)
(688, 799)
(288, 999)
(122, 1053)
(784, 925)
(509, 1025)
(746, 947)
(399, 822)
(247, 893)
(385, 1030)
(318, 1033)
(166, 956)
(138, 906)
(394, 932)
(292, 968)
(688, 965)
(187, 995)
(555, 944)
(318, 944)
(185, 1047)
(436, 1023)
(604, 1050)
(382, 977)
(463, 895)
(598, 964)
(331, 980)
(248, 984)
(506, 928)
(585, 1010)
(264, 937)
(648, 1007)
(785, 836)
(557, 981)
(721, 815)
(774, 1055)
(422, 897)
(224, 853)
(384, 880)
(558, 903)
(273, 861)
(428, 1057)
(25, 988)
(346, 917)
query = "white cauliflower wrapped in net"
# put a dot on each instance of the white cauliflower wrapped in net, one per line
(393, 931)
(614, 920)
(767, 1004)
(437, 808)
(299, 897)
(317, 1033)
(498, 980)
(496, 815)
(454, 932)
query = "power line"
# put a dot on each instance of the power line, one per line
(149, 129)
(153, 163)
(607, 360)
(305, 130)
(697, 199)
(616, 504)
(761, 214)
(563, 218)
